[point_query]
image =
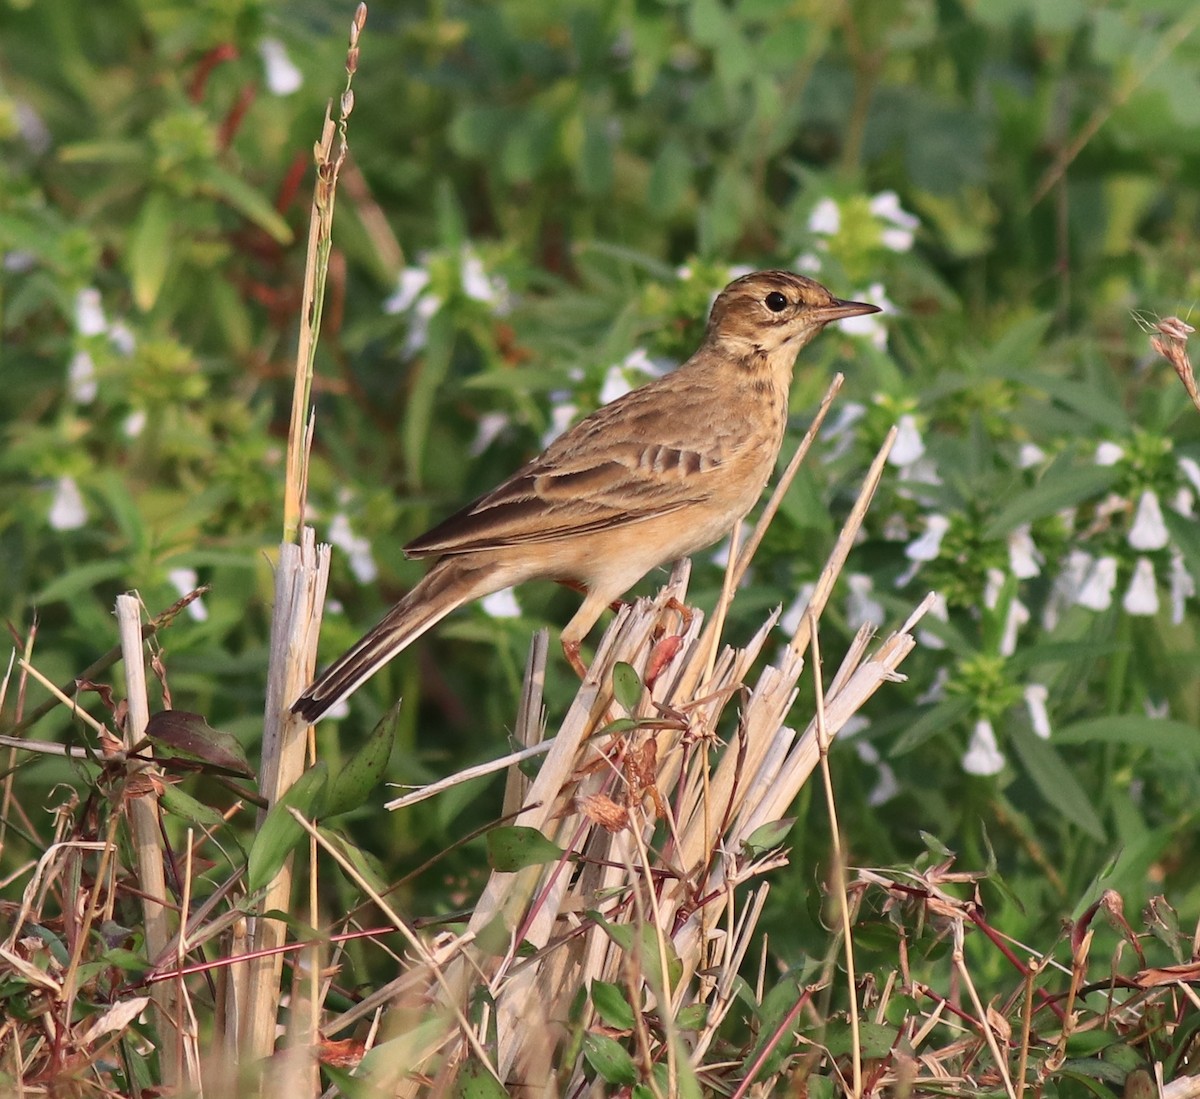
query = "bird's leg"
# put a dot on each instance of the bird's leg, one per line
(575, 585)
(571, 652)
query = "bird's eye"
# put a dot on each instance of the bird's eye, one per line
(775, 301)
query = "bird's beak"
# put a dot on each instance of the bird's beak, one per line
(839, 310)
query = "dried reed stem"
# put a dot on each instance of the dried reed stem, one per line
(147, 837)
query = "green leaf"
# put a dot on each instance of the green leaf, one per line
(768, 836)
(430, 373)
(280, 833)
(1058, 489)
(81, 579)
(181, 804)
(514, 847)
(365, 864)
(474, 1081)
(627, 685)
(692, 1017)
(1056, 783)
(150, 246)
(366, 768)
(248, 202)
(610, 1060)
(1159, 734)
(611, 1005)
(938, 718)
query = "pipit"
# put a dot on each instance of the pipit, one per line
(653, 476)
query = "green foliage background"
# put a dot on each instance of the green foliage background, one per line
(580, 153)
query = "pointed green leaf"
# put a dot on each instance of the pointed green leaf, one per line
(150, 246)
(627, 685)
(769, 835)
(611, 1005)
(610, 1060)
(280, 833)
(514, 847)
(1056, 783)
(366, 768)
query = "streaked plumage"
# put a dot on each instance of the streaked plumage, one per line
(655, 475)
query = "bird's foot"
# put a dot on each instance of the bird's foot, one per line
(571, 652)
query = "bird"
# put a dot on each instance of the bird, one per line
(653, 476)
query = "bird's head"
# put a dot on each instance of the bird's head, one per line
(769, 312)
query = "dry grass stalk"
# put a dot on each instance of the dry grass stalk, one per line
(598, 794)
(145, 826)
(299, 596)
(299, 599)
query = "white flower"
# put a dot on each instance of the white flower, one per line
(826, 218)
(561, 416)
(720, 556)
(185, 581)
(886, 787)
(418, 324)
(683, 273)
(1067, 583)
(1142, 595)
(33, 129)
(909, 446)
(895, 528)
(81, 378)
(740, 270)
(1157, 709)
(936, 691)
(871, 324)
(926, 547)
(1191, 470)
(938, 610)
(808, 262)
(1030, 455)
(283, 77)
(791, 618)
(615, 385)
(67, 511)
(1018, 615)
(408, 288)
(983, 755)
(839, 433)
(1149, 531)
(135, 423)
(490, 425)
(886, 205)
(1108, 454)
(861, 609)
(478, 284)
(1097, 589)
(896, 240)
(501, 604)
(121, 336)
(89, 313)
(1035, 702)
(993, 585)
(1184, 502)
(356, 548)
(639, 359)
(1183, 586)
(1023, 557)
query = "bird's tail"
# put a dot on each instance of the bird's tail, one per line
(448, 585)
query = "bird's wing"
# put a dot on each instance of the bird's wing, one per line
(623, 464)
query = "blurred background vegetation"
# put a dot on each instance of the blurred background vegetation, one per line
(541, 200)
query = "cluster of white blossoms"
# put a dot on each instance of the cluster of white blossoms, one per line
(895, 230)
(1140, 563)
(92, 330)
(418, 295)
